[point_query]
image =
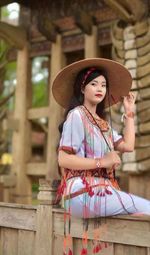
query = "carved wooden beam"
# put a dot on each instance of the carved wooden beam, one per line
(138, 8)
(129, 11)
(84, 21)
(14, 35)
(5, 2)
(47, 28)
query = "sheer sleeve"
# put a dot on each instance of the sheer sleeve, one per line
(73, 133)
(117, 138)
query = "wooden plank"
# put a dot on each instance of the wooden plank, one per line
(139, 185)
(120, 249)
(36, 113)
(142, 60)
(142, 141)
(141, 27)
(142, 41)
(144, 50)
(131, 54)
(143, 70)
(18, 218)
(130, 167)
(142, 154)
(117, 43)
(58, 245)
(148, 251)
(115, 56)
(144, 165)
(77, 246)
(9, 242)
(118, 231)
(144, 93)
(20, 206)
(120, 53)
(143, 105)
(144, 218)
(144, 81)
(44, 237)
(105, 251)
(144, 116)
(26, 242)
(36, 169)
(144, 127)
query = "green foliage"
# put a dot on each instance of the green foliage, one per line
(4, 12)
(35, 187)
(11, 71)
(39, 84)
(39, 94)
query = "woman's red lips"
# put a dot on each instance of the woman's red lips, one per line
(98, 95)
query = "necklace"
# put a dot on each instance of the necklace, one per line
(99, 126)
(99, 122)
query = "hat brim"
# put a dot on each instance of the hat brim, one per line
(120, 80)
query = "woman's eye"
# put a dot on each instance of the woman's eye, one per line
(103, 85)
(93, 83)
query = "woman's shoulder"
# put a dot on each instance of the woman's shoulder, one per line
(75, 112)
(74, 119)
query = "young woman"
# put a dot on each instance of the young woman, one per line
(89, 147)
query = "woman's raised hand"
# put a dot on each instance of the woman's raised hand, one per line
(129, 102)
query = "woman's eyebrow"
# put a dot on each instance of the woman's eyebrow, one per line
(97, 81)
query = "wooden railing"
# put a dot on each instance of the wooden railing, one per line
(38, 230)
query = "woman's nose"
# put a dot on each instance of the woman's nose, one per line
(99, 88)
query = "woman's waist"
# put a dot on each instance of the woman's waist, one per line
(99, 173)
(90, 180)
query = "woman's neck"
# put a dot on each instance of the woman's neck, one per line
(91, 108)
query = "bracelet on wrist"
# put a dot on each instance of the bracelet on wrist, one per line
(98, 163)
(127, 115)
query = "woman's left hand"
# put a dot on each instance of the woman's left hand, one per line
(129, 102)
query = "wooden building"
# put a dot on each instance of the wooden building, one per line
(67, 31)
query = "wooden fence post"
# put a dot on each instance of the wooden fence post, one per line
(44, 234)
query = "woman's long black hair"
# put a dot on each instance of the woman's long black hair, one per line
(78, 97)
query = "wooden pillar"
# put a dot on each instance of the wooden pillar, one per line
(55, 111)
(21, 147)
(91, 43)
(44, 235)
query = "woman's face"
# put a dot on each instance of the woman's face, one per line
(95, 91)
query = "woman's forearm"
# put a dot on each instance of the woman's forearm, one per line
(75, 162)
(129, 134)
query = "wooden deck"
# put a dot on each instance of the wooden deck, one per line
(38, 230)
